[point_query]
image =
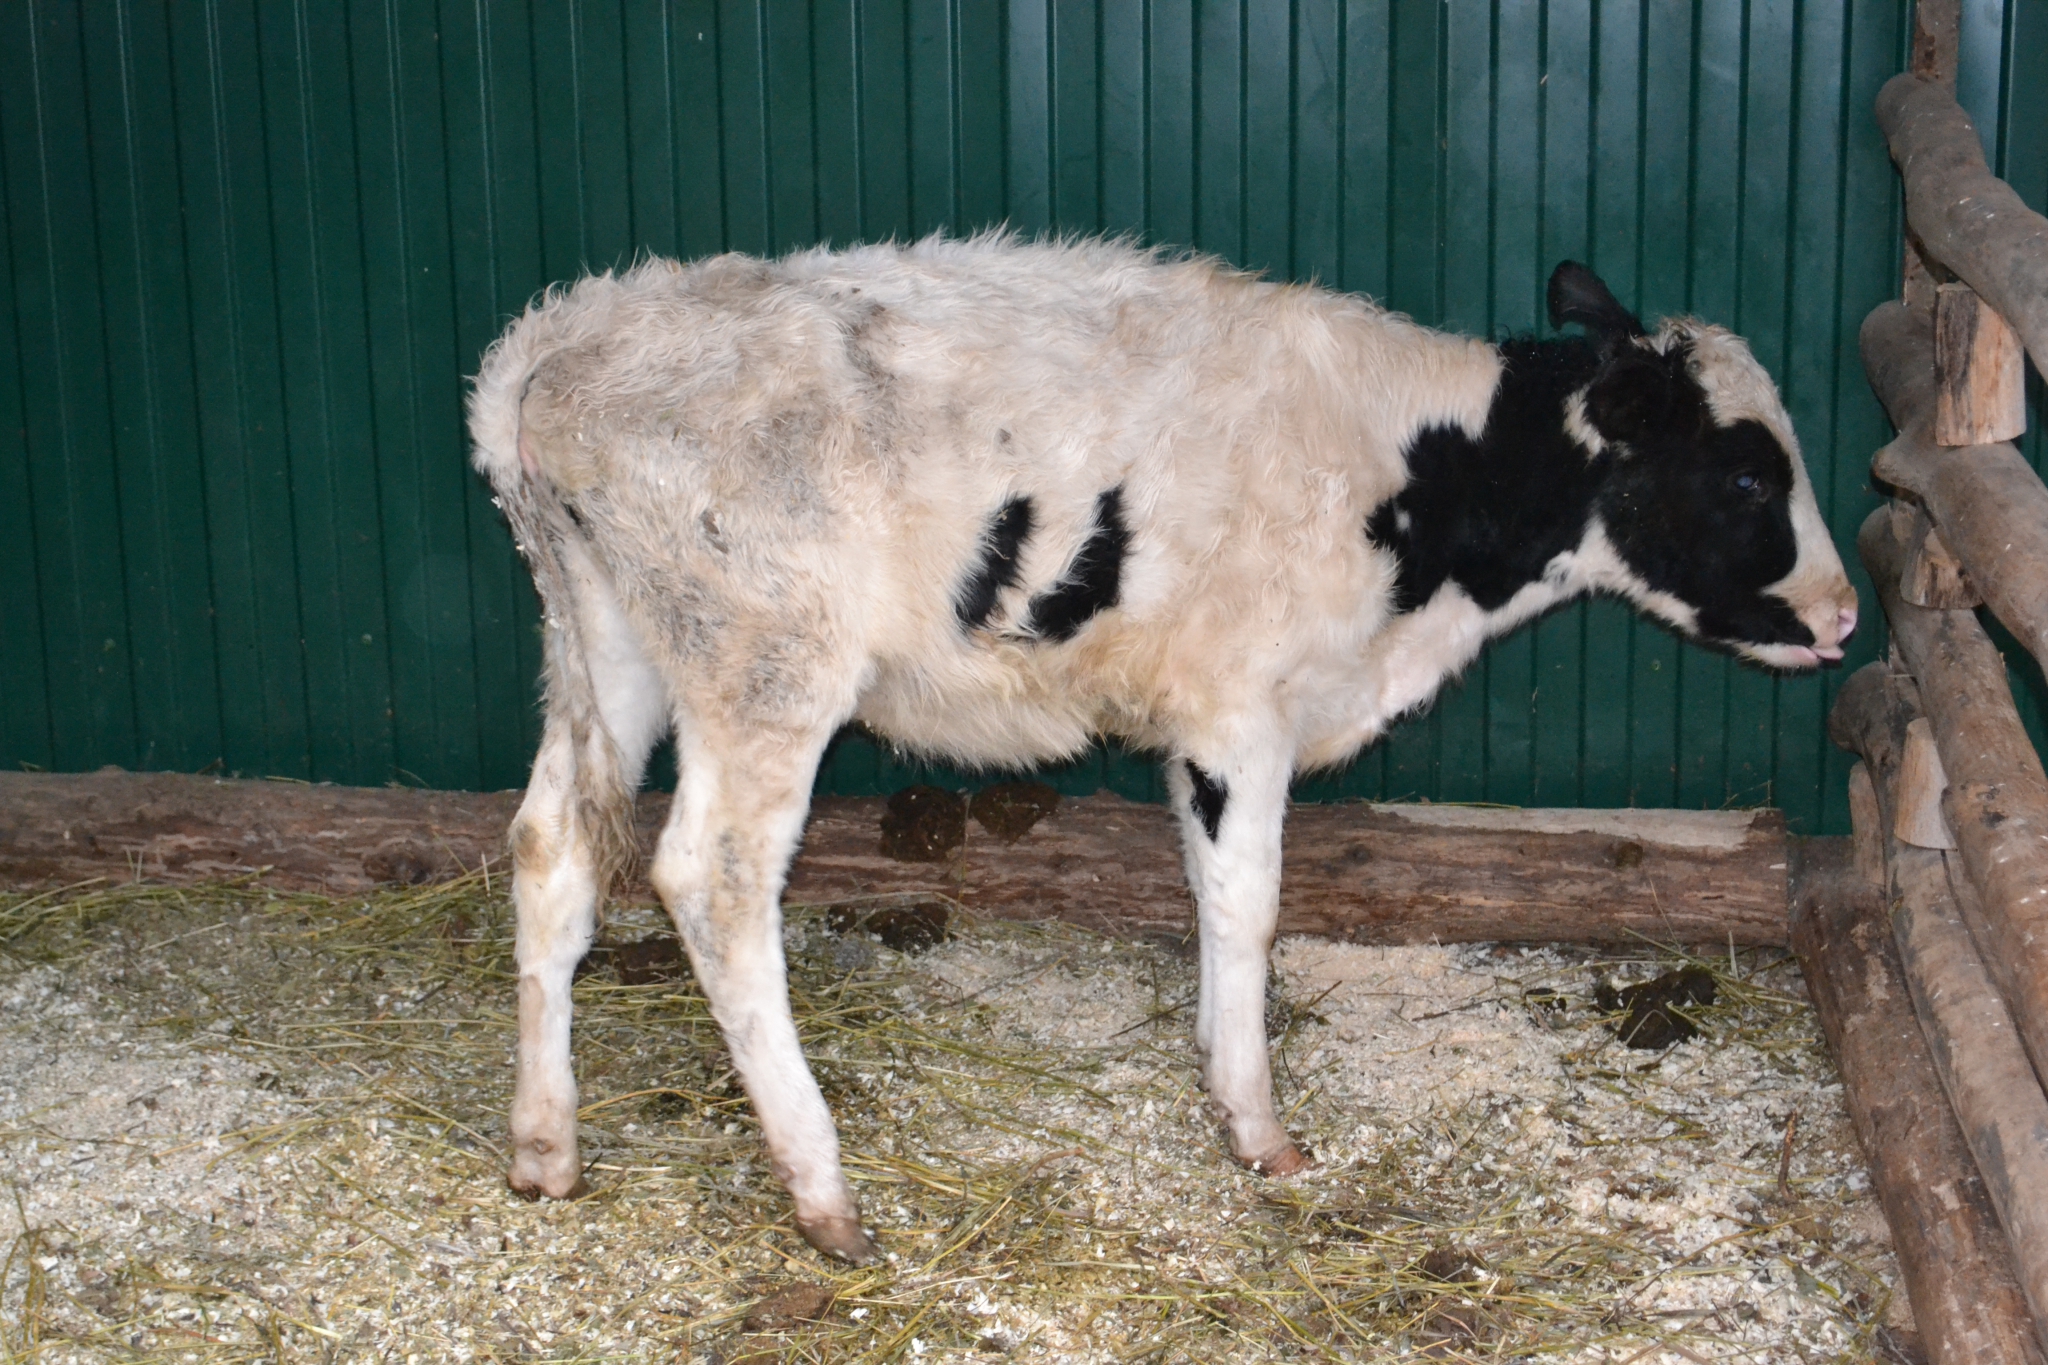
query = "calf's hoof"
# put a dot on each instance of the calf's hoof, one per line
(844, 1238)
(1286, 1159)
(534, 1190)
(544, 1171)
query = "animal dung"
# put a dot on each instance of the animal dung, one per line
(902, 928)
(658, 957)
(1008, 810)
(1652, 1011)
(790, 1306)
(1450, 1264)
(924, 825)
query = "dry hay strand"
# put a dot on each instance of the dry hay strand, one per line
(242, 1125)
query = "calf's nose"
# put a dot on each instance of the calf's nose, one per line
(1845, 625)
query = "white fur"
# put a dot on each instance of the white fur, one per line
(783, 470)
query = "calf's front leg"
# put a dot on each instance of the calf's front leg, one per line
(1231, 816)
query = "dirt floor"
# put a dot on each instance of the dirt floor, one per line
(236, 1125)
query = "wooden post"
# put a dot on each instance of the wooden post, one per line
(1997, 802)
(1936, 45)
(1937, 40)
(1980, 371)
(1863, 818)
(1953, 1256)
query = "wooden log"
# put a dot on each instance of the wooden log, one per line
(1970, 1034)
(1997, 802)
(1970, 220)
(1373, 874)
(1987, 502)
(1990, 1083)
(1953, 1255)
(1980, 371)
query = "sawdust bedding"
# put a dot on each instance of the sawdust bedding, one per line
(239, 1126)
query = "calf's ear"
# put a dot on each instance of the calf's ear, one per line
(1641, 394)
(1578, 295)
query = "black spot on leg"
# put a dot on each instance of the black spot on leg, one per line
(998, 567)
(1091, 582)
(1208, 798)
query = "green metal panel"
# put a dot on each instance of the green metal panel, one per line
(248, 252)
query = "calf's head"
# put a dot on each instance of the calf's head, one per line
(1703, 498)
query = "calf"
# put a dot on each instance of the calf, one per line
(994, 499)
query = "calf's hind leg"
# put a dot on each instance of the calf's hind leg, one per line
(601, 723)
(720, 866)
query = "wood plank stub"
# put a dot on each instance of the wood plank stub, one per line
(1916, 805)
(1980, 371)
(1932, 576)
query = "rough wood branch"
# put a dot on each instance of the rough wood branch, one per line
(1373, 874)
(1997, 803)
(1988, 503)
(1969, 218)
(1952, 1253)
(1968, 1030)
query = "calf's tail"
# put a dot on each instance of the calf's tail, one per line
(555, 549)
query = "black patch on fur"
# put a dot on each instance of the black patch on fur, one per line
(1707, 517)
(1091, 582)
(1699, 511)
(1208, 798)
(997, 570)
(1489, 514)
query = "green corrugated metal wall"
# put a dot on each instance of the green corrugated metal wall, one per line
(252, 250)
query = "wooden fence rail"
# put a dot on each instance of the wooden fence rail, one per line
(1966, 217)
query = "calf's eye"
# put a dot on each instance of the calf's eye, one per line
(1747, 484)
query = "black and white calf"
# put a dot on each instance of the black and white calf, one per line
(996, 498)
